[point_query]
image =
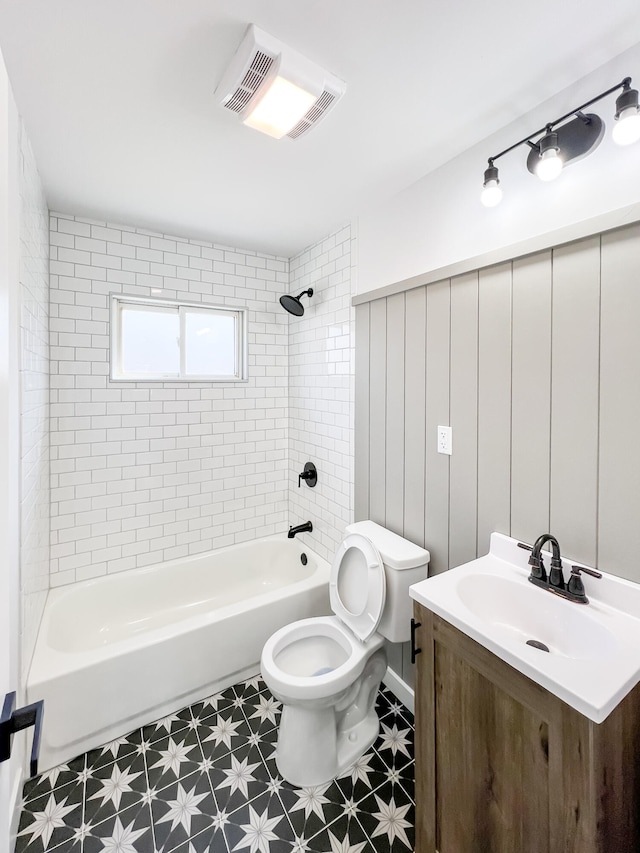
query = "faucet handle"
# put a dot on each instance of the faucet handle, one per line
(575, 570)
(575, 587)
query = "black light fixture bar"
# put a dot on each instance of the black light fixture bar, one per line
(624, 84)
(568, 139)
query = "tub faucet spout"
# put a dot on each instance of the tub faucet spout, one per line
(307, 527)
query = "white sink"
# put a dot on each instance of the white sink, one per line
(591, 653)
(510, 607)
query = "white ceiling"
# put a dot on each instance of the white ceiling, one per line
(117, 97)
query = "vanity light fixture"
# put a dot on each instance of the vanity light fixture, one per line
(549, 163)
(564, 141)
(627, 127)
(276, 90)
(491, 192)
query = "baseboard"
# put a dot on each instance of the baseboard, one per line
(400, 689)
(15, 807)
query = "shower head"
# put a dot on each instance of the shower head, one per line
(293, 305)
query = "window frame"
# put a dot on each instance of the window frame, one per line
(120, 300)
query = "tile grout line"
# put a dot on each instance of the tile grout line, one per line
(146, 774)
(213, 793)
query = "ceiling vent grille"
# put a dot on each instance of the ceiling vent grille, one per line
(251, 82)
(259, 61)
(317, 111)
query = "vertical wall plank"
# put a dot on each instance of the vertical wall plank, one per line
(464, 419)
(395, 414)
(575, 356)
(361, 462)
(554, 443)
(377, 409)
(494, 403)
(619, 469)
(414, 414)
(531, 396)
(437, 412)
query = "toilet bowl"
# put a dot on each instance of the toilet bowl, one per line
(327, 682)
(327, 670)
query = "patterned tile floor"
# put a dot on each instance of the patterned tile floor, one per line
(205, 779)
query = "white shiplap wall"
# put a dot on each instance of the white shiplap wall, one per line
(148, 472)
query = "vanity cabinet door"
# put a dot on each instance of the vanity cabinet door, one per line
(485, 753)
(503, 766)
(492, 767)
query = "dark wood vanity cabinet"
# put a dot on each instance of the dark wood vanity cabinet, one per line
(503, 766)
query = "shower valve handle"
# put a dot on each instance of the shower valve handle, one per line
(310, 475)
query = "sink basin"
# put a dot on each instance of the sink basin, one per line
(586, 654)
(514, 609)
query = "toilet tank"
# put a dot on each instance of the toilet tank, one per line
(404, 563)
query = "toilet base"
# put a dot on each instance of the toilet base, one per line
(317, 744)
(355, 742)
(314, 764)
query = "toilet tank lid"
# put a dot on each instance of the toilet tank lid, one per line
(396, 551)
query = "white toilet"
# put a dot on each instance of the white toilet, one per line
(326, 671)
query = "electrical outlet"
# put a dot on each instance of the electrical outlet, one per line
(445, 439)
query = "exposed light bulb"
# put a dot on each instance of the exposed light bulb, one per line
(491, 194)
(627, 126)
(549, 166)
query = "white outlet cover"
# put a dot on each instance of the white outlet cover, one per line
(445, 440)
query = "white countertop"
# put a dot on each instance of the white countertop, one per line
(594, 648)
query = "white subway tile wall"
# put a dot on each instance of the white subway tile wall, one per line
(34, 392)
(143, 473)
(321, 390)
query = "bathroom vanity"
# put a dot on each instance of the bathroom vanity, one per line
(503, 763)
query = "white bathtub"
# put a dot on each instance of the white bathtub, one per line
(123, 650)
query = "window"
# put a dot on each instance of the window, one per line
(155, 340)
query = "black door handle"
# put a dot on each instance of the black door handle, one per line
(13, 721)
(414, 651)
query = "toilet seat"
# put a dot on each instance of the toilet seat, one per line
(357, 585)
(357, 593)
(313, 686)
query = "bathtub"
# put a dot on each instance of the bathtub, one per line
(121, 651)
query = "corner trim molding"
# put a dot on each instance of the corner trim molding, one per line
(609, 221)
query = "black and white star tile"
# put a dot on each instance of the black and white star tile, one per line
(205, 780)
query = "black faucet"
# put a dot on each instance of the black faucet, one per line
(572, 591)
(538, 574)
(307, 527)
